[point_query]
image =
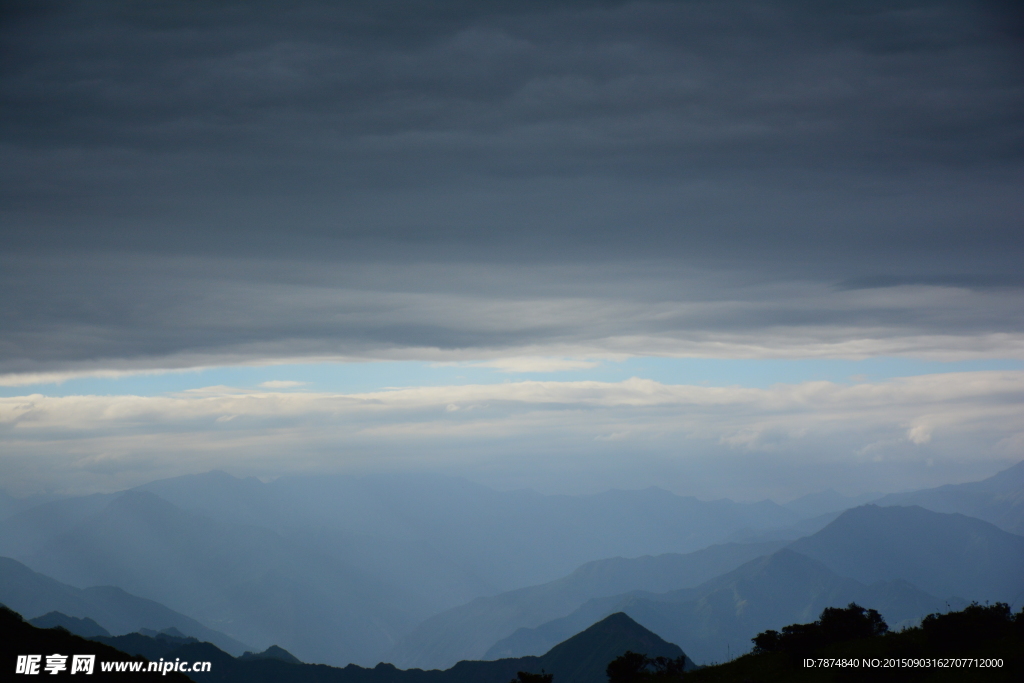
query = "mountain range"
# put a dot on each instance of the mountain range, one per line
(884, 558)
(468, 631)
(337, 569)
(428, 571)
(582, 658)
(717, 619)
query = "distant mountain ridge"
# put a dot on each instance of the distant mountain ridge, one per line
(85, 627)
(946, 554)
(908, 560)
(905, 562)
(829, 500)
(729, 610)
(32, 593)
(998, 500)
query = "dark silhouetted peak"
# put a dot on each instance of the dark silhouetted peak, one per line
(168, 635)
(585, 656)
(616, 625)
(86, 627)
(173, 632)
(273, 652)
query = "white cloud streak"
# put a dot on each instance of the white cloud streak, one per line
(442, 426)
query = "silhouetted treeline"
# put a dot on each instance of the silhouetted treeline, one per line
(835, 625)
(633, 667)
(978, 643)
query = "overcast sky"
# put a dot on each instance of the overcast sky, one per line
(729, 248)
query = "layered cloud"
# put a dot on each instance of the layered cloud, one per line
(176, 313)
(508, 425)
(520, 186)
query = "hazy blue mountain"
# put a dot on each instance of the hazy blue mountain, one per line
(903, 561)
(943, 554)
(24, 532)
(32, 593)
(84, 627)
(804, 527)
(998, 499)
(336, 569)
(468, 631)
(718, 618)
(824, 502)
(341, 568)
(248, 581)
(10, 505)
(459, 540)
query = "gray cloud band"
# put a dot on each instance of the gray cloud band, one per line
(144, 313)
(837, 148)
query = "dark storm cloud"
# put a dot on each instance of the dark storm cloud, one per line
(860, 144)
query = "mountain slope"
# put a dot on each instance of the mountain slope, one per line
(467, 631)
(32, 593)
(943, 554)
(998, 500)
